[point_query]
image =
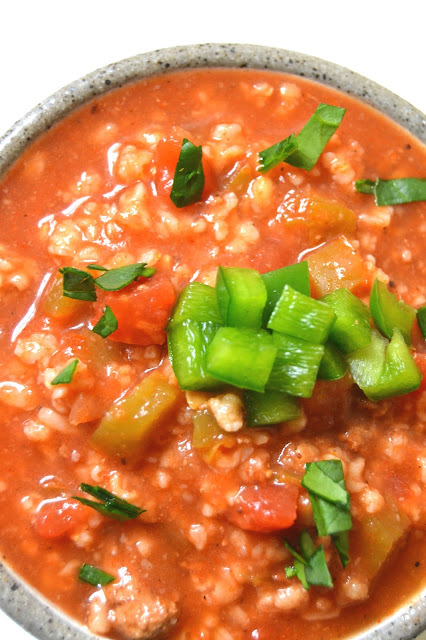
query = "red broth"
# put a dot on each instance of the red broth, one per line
(95, 189)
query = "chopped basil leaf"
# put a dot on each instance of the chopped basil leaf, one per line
(106, 324)
(390, 192)
(330, 517)
(421, 319)
(110, 505)
(279, 152)
(96, 267)
(365, 186)
(93, 575)
(188, 181)
(318, 481)
(65, 376)
(341, 542)
(311, 569)
(116, 279)
(78, 284)
(315, 134)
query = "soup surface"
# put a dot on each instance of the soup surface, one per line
(207, 558)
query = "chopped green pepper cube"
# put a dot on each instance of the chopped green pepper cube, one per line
(302, 317)
(352, 329)
(384, 369)
(242, 357)
(196, 301)
(270, 407)
(421, 319)
(296, 365)
(241, 296)
(295, 275)
(333, 365)
(389, 313)
(187, 344)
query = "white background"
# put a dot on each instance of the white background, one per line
(46, 44)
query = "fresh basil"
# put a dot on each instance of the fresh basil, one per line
(92, 575)
(96, 267)
(397, 191)
(279, 152)
(116, 279)
(421, 319)
(65, 376)
(310, 567)
(106, 324)
(188, 181)
(331, 515)
(78, 284)
(110, 505)
(319, 479)
(341, 542)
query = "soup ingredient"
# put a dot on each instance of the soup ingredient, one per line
(188, 181)
(92, 575)
(397, 191)
(66, 375)
(106, 324)
(389, 313)
(109, 504)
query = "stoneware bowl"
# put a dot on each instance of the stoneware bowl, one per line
(17, 598)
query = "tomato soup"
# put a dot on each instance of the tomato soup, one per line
(222, 539)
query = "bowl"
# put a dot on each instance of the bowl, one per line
(17, 598)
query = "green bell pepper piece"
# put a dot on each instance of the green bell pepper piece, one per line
(385, 369)
(271, 407)
(351, 330)
(302, 317)
(196, 301)
(421, 319)
(241, 297)
(187, 344)
(242, 357)
(333, 365)
(296, 365)
(389, 313)
(295, 275)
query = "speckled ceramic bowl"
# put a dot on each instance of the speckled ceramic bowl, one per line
(18, 599)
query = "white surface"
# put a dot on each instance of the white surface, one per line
(47, 44)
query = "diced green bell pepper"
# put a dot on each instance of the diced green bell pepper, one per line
(271, 407)
(302, 317)
(241, 297)
(385, 369)
(127, 426)
(389, 313)
(421, 319)
(296, 365)
(242, 357)
(295, 275)
(333, 365)
(196, 301)
(352, 329)
(187, 342)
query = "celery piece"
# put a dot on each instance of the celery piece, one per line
(385, 369)
(333, 365)
(129, 424)
(241, 296)
(389, 313)
(302, 317)
(271, 407)
(352, 329)
(187, 342)
(242, 357)
(296, 365)
(196, 301)
(295, 275)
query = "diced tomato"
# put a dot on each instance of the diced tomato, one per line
(56, 518)
(265, 508)
(142, 310)
(166, 158)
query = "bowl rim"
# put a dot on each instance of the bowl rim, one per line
(18, 599)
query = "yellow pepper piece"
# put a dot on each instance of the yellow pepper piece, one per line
(126, 428)
(327, 219)
(58, 307)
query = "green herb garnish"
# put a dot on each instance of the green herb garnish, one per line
(188, 181)
(316, 480)
(93, 575)
(78, 284)
(110, 505)
(65, 376)
(106, 324)
(310, 566)
(390, 192)
(116, 279)
(330, 502)
(304, 150)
